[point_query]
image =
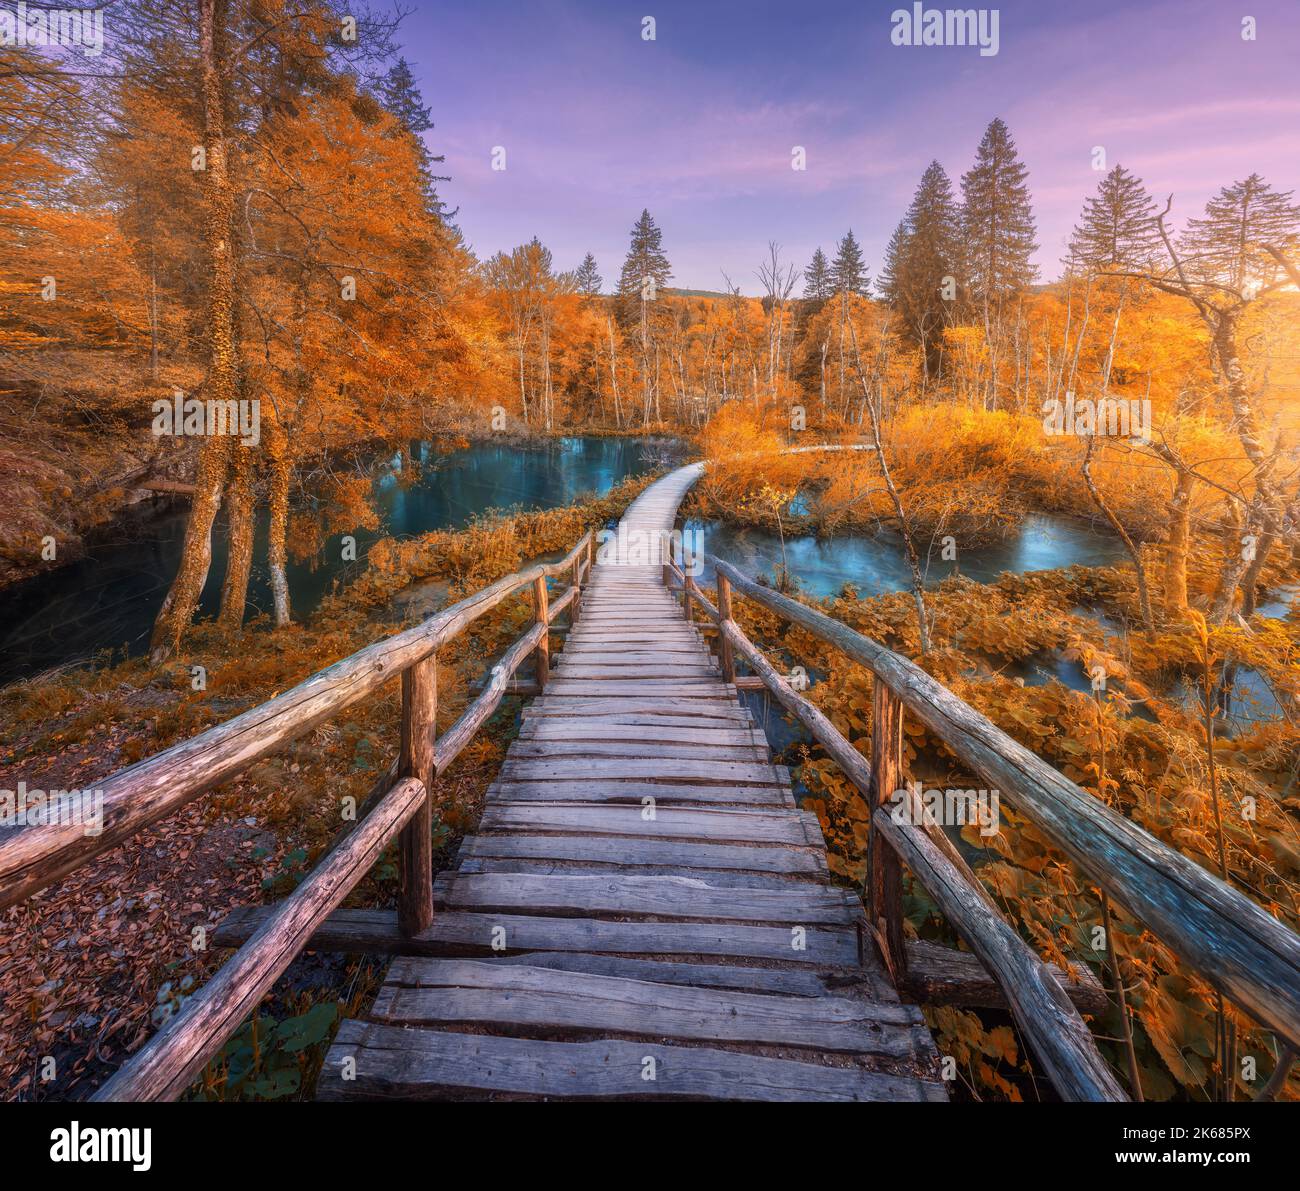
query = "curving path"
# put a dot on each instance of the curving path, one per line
(644, 911)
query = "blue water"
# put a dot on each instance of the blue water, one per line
(108, 600)
(875, 563)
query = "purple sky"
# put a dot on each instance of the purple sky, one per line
(698, 125)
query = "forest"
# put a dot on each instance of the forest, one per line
(232, 287)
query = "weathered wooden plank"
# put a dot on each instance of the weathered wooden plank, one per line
(663, 793)
(938, 975)
(710, 826)
(561, 730)
(719, 878)
(469, 992)
(616, 850)
(462, 932)
(792, 982)
(388, 1063)
(659, 769)
(492, 935)
(649, 897)
(637, 749)
(697, 710)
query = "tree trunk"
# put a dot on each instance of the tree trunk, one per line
(239, 515)
(1144, 596)
(279, 501)
(1180, 523)
(223, 372)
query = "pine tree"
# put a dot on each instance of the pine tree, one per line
(1227, 245)
(587, 278)
(893, 270)
(818, 284)
(998, 220)
(400, 94)
(923, 261)
(645, 262)
(849, 272)
(1117, 229)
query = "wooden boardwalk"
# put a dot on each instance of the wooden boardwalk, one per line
(644, 911)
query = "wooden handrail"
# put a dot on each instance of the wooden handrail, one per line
(169, 1062)
(1248, 955)
(32, 857)
(399, 807)
(1053, 1027)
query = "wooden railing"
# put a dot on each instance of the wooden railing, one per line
(398, 807)
(1246, 954)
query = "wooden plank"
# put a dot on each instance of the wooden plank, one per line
(938, 975)
(697, 710)
(636, 749)
(709, 826)
(560, 730)
(469, 992)
(387, 1063)
(492, 935)
(660, 769)
(791, 982)
(719, 878)
(636, 792)
(657, 851)
(462, 932)
(640, 897)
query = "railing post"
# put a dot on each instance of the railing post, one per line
(687, 584)
(541, 609)
(885, 895)
(591, 552)
(668, 578)
(724, 618)
(416, 759)
(577, 589)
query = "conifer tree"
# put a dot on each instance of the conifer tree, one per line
(818, 284)
(849, 272)
(1226, 245)
(645, 262)
(400, 94)
(998, 220)
(922, 267)
(1117, 229)
(587, 279)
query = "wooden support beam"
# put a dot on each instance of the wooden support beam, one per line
(542, 617)
(938, 975)
(417, 759)
(885, 888)
(724, 645)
